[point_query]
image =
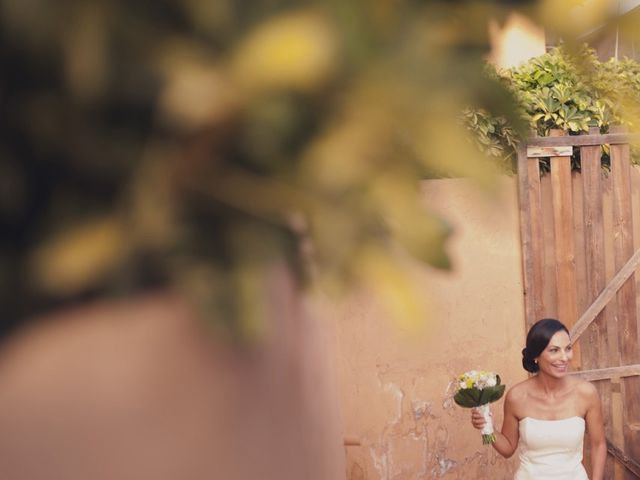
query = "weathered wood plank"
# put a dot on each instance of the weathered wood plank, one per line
(611, 271)
(579, 230)
(608, 373)
(617, 408)
(540, 152)
(583, 140)
(537, 239)
(548, 257)
(626, 296)
(605, 296)
(530, 293)
(617, 421)
(595, 278)
(564, 242)
(630, 464)
(531, 235)
(594, 345)
(623, 235)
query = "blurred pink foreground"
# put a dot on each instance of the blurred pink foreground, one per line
(141, 390)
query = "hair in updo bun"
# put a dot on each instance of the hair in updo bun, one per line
(538, 339)
(528, 363)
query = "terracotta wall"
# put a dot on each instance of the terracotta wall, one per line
(394, 381)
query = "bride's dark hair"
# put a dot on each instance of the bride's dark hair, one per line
(538, 339)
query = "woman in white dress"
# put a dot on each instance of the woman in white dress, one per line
(546, 415)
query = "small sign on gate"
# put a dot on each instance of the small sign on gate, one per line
(538, 152)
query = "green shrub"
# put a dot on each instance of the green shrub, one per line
(571, 91)
(495, 137)
(618, 83)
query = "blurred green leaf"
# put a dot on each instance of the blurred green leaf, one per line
(191, 145)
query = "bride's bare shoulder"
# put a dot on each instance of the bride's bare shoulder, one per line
(585, 389)
(517, 398)
(520, 390)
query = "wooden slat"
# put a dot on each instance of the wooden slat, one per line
(594, 345)
(525, 236)
(548, 256)
(608, 373)
(630, 464)
(635, 207)
(623, 245)
(579, 229)
(564, 242)
(583, 140)
(605, 296)
(595, 278)
(616, 419)
(611, 272)
(537, 239)
(623, 249)
(531, 235)
(618, 423)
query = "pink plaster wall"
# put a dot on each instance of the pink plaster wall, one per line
(141, 389)
(394, 382)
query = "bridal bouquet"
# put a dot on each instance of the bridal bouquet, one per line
(477, 389)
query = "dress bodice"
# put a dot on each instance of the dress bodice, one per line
(551, 449)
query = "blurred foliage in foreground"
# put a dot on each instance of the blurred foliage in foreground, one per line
(190, 143)
(567, 89)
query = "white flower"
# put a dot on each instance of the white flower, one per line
(478, 379)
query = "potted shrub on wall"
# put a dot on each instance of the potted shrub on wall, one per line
(562, 89)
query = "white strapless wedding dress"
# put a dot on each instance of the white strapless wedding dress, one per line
(551, 449)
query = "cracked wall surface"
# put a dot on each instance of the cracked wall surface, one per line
(394, 380)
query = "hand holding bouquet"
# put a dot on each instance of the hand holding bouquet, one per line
(477, 389)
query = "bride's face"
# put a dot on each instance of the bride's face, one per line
(554, 359)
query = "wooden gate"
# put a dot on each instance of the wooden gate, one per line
(579, 232)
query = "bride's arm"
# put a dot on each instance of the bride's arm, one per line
(507, 439)
(595, 429)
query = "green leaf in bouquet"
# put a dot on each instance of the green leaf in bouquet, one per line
(485, 394)
(492, 394)
(498, 391)
(467, 397)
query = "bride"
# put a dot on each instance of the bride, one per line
(547, 414)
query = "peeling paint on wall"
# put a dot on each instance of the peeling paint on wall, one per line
(380, 462)
(445, 465)
(398, 394)
(421, 409)
(395, 388)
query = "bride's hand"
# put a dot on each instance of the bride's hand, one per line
(477, 420)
